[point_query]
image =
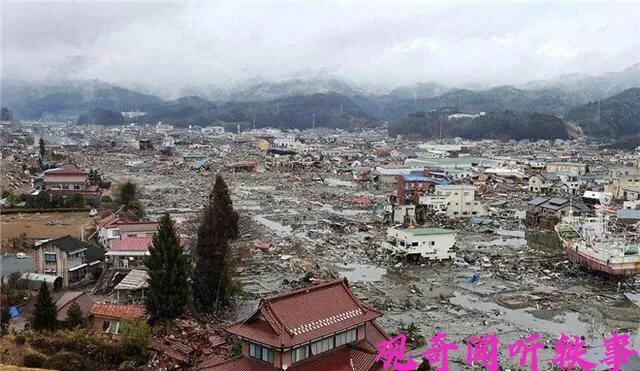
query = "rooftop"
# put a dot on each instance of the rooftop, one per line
(303, 315)
(140, 243)
(120, 311)
(425, 231)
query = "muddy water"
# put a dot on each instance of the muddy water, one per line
(361, 272)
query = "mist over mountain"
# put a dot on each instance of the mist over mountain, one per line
(299, 111)
(587, 88)
(66, 100)
(335, 103)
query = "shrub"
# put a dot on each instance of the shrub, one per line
(20, 339)
(65, 361)
(135, 337)
(32, 359)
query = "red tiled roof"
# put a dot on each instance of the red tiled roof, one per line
(375, 334)
(339, 360)
(50, 178)
(120, 311)
(303, 315)
(132, 243)
(113, 221)
(136, 226)
(141, 243)
(346, 358)
(239, 363)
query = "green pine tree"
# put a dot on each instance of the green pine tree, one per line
(212, 273)
(5, 317)
(43, 149)
(44, 315)
(74, 315)
(127, 195)
(167, 267)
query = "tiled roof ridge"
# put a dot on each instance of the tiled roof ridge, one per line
(305, 290)
(279, 324)
(326, 321)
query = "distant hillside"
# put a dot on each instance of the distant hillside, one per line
(266, 91)
(419, 91)
(502, 125)
(331, 110)
(619, 115)
(628, 143)
(6, 114)
(69, 99)
(101, 116)
(589, 88)
(497, 99)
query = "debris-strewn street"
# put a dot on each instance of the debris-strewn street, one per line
(323, 213)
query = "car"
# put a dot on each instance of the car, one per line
(21, 255)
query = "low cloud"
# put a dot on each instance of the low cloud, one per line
(170, 45)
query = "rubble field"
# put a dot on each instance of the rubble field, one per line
(300, 226)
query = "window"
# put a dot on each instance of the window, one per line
(432, 243)
(346, 337)
(261, 352)
(49, 257)
(414, 244)
(110, 327)
(300, 353)
(321, 346)
(76, 186)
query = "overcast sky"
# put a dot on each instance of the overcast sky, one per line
(173, 45)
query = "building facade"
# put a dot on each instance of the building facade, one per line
(428, 243)
(569, 168)
(457, 200)
(67, 257)
(622, 181)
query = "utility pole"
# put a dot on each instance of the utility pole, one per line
(313, 122)
(254, 123)
(440, 128)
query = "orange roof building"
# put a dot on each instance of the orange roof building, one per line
(107, 318)
(320, 327)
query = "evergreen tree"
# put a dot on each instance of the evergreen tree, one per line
(5, 317)
(212, 275)
(44, 315)
(167, 268)
(42, 148)
(127, 195)
(74, 315)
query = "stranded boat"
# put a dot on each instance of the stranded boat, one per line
(590, 243)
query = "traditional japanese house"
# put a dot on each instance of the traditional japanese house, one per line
(321, 327)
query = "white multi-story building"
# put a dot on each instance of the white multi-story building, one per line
(568, 168)
(163, 128)
(429, 243)
(457, 200)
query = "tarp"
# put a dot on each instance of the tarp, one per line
(13, 311)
